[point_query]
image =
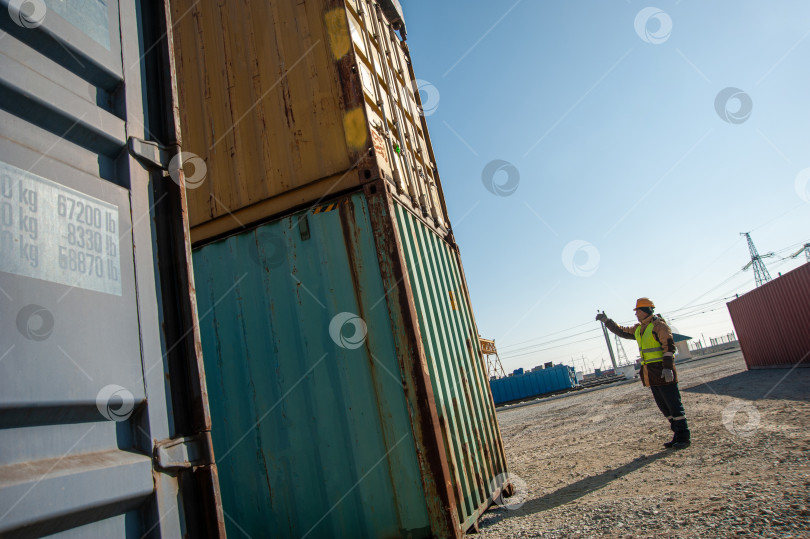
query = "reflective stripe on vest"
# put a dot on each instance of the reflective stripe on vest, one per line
(650, 349)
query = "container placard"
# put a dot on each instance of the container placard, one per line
(57, 234)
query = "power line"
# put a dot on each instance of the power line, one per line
(790, 247)
(552, 347)
(693, 314)
(675, 315)
(738, 272)
(551, 341)
(544, 336)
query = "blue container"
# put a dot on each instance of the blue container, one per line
(517, 372)
(532, 384)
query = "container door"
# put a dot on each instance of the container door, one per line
(87, 384)
(312, 427)
(457, 370)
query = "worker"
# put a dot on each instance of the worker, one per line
(657, 347)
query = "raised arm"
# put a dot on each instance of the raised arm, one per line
(624, 332)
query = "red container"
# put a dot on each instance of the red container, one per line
(773, 321)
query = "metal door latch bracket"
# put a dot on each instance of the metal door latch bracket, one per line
(150, 153)
(184, 452)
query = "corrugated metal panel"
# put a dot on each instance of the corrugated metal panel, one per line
(312, 438)
(394, 111)
(532, 384)
(261, 79)
(292, 102)
(458, 372)
(772, 322)
(93, 369)
(91, 372)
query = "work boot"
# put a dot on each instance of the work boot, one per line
(670, 443)
(682, 439)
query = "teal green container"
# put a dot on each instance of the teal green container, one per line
(347, 390)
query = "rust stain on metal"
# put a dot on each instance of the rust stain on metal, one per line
(352, 231)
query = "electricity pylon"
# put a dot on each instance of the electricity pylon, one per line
(494, 366)
(761, 275)
(805, 250)
(620, 353)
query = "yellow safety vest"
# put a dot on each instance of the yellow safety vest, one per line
(650, 349)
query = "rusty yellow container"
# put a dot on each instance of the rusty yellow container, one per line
(289, 103)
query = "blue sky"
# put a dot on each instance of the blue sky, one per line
(629, 182)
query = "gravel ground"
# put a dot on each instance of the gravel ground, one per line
(591, 464)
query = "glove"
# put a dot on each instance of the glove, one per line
(602, 317)
(669, 376)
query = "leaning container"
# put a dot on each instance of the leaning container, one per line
(348, 393)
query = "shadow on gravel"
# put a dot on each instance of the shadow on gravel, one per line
(779, 384)
(583, 487)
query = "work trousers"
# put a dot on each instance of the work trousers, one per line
(668, 399)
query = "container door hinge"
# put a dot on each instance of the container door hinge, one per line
(184, 452)
(150, 153)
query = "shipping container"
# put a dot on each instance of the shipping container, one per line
(772, 321)
(291, 103)
(348, 392)
(533, 384)
(103, 414)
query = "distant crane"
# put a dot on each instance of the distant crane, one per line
(761, 275)
(805, 250)
(494, 366)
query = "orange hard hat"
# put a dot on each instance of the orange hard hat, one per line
(644, 302)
